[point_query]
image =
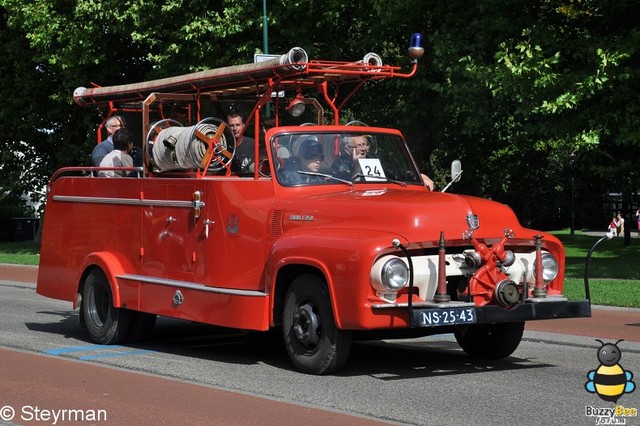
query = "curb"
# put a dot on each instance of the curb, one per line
(20, 273)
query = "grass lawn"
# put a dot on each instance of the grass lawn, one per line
(614, 270)
(22, 253)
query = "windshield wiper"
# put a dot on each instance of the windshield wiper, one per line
(381, 178)
(324, 175)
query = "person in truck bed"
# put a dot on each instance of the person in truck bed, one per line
(106, 146)
(119, 157)
(243, 160)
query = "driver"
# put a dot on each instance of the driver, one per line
(309, 160)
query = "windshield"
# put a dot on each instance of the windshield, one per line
(342, 158)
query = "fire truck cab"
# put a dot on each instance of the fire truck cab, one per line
(304, 223)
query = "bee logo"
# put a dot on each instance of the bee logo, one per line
(610, 380)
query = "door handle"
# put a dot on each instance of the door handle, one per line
(207, 222)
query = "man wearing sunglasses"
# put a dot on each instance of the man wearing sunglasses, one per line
(309, 160)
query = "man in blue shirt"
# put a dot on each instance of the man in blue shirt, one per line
(106, 146)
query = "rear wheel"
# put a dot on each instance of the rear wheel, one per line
(314, 343)
(492, 341)
(104, 323)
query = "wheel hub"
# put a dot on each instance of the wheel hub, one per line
(305, 325)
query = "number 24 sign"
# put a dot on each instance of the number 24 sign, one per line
(371, 169)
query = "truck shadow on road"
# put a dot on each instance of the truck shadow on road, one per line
(67, 324)
(382, 359)
(396, 360)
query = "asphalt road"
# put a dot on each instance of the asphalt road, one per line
(197, 374)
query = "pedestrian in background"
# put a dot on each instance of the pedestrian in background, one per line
(613, 226)
(620, 225)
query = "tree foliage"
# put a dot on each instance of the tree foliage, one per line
(535, 87)
(533, 96)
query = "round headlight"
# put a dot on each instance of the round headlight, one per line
(395, 274)
(549, 267)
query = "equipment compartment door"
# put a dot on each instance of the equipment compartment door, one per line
(174, 231)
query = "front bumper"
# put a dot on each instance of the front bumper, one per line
(522, 312)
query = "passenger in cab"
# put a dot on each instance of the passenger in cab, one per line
(352, 148)
(106, 146)
(428, 183)
(119, 157)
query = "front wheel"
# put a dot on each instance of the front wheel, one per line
(104, 323)
(314, 343)
(492, 341)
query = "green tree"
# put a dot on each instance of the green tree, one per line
(521, 90)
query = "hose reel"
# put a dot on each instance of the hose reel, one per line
(210, 142)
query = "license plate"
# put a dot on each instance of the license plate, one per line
(439, 317)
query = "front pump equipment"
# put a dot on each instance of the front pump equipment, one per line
(484, 275)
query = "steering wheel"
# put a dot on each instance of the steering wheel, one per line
(357, 123)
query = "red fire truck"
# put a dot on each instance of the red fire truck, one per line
(324, 230)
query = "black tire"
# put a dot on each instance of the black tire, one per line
(491, 341)
(104, 323)
(141, 326)
(314, 343)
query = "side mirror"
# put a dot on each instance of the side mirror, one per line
(456, 171)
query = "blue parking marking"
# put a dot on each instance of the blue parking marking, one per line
(113, 354)
(71, 349)
(106, 351)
